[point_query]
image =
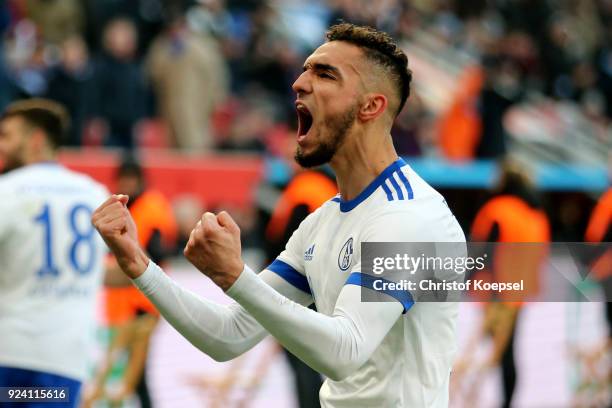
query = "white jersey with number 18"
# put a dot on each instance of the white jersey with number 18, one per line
(51, 265)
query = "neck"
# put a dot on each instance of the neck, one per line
(360, 160)
(41, 157)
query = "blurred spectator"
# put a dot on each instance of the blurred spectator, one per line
(6, 87)
(501, 90)
(148, 17)
(268, 61)
(73, 84)
(255, 121)
(208, 18)
(603, 66)
(187, 210)
(190, 80)
(57, 19)
(600, 223)
(513, 214)
(407, 132)
(120, 80)
(372, 13)
(460, 126)
(26, 60)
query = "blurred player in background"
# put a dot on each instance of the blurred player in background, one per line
(513, 214)
(132, 316)
(51, 259)
(375, 354)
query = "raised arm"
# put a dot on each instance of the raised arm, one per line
(223, 332)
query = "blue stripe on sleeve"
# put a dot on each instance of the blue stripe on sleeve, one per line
(367, 281)
(289, 274)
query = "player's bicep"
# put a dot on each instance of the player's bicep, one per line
(369, 322)
(374, 289)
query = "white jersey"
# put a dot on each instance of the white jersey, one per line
(411, 367)
(51, 265)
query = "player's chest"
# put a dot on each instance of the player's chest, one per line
(331, 253)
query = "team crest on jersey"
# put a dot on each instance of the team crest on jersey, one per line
(345, 255)
(309, 254)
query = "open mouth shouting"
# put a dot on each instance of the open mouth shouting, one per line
(304, 121)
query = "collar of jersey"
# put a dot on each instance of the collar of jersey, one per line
(346, 206)
(50, 163)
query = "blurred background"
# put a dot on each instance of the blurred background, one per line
(198, 94)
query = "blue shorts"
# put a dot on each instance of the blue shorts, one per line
(18, 377)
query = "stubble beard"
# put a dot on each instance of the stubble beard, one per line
(13, 160)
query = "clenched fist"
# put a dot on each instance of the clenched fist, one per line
(214, 248)
(116, 226)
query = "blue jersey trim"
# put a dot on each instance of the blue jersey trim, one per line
(288, 273)
(400, 195)
(404, 180)
(47, 163)
(367, 281)
(346, 206)
(387, 191)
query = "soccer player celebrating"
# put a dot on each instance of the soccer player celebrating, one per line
(51, 259)
(385, 354)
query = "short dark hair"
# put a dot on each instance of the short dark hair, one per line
(380, 48)
(49, 116)
(130, 167)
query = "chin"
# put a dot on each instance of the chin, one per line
(320, 156)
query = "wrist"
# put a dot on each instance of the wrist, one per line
(226, 281)
(135, 266)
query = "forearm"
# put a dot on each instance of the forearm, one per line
(114, 276)
(222, 332)
(336, 345)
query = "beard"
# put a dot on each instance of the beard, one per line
(338, 128)
(11, 161)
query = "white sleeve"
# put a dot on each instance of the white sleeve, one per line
(222, 332)
(336, 345)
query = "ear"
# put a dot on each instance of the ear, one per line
(375, 106)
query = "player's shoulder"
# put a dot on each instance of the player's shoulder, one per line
(85, 182)
(14, 179)
(50, 175)
(401, 190)
(406, 207)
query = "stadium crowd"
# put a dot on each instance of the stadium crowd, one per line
(215, 74)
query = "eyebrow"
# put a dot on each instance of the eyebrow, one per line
(318, 66)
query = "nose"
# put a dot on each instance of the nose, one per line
(302, 84)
